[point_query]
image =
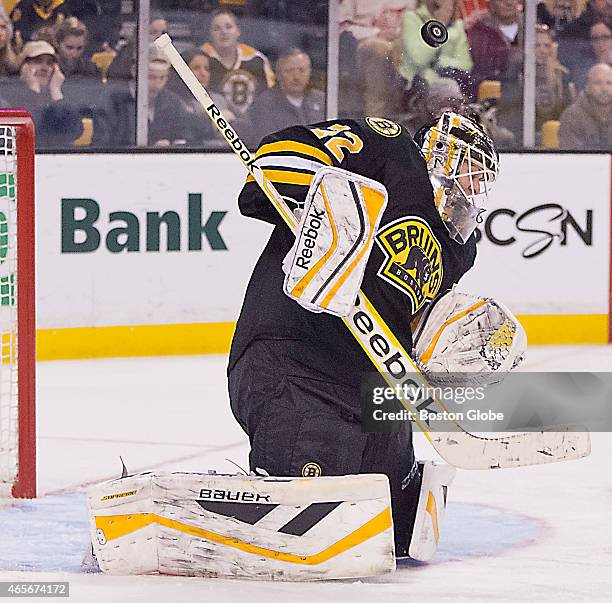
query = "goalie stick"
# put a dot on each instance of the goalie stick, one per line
(455, 445)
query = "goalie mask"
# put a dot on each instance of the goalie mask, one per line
(463, 165)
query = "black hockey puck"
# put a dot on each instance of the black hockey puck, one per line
(434, 33)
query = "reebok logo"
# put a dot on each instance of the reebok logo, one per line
(310, 232)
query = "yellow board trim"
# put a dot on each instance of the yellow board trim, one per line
(216, 337)
(565, 329)
(115, 526)
(140, 340)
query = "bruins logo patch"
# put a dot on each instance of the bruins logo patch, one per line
(384, 127)
(413, 259)
(311, 469)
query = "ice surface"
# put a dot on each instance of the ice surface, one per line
(529, 534)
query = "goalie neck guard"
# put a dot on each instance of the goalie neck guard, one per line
(463, 165)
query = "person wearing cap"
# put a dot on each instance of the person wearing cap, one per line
(40, 70)
(39, 91)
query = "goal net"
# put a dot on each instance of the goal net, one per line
(17, 318)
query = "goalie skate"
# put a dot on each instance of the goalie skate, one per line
(435, 479)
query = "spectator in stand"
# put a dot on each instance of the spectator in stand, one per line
(168, 118)
(599, 51)
(71, 41)
(121, 67)
(45, 32)
(157, 27)
(8, 59)
(452, 59)
(30, 15)
(485, 113)
(83, 88)
(201, 129)
(39, 90)
(554, 91)
(587, 124)
(102, 18)
(442, 94)
(374, 28)
(575, 46)
(365, 19)
(556, 14)
(290, 102)
(237, 71)
(496, 42)
(601, 41)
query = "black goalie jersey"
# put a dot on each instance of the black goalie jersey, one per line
(413, 259)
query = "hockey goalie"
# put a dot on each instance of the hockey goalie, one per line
(380, 213)
(295, 375)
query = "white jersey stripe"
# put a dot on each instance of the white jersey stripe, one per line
(288, 161)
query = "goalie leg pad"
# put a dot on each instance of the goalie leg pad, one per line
(333, 241)
(243, 526)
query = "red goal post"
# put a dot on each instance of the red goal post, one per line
(17, 306)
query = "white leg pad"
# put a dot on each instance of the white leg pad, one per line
(193, 524)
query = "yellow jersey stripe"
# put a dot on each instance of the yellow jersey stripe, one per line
(284, 177)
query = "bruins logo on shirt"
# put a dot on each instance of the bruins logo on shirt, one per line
(238, 88)
(413, 259)
(384, 127)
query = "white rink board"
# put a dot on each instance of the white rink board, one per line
(569, 276)
(101, 288)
